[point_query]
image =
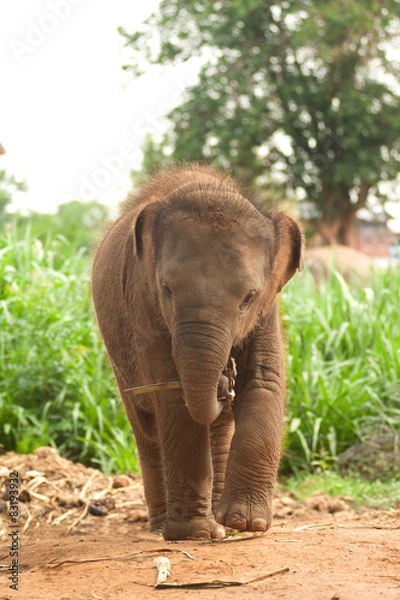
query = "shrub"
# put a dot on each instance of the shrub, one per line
(56, 385)
(343, 365)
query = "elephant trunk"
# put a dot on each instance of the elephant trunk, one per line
(200, 359)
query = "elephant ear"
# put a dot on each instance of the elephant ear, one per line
(138, 229)
(289, 249)
(148, 220)
(134, 246)
(127, 266)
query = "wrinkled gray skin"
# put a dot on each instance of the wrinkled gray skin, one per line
(186, 278)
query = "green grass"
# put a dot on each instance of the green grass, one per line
(343, 365)
(56, 386)
(380, 494)
(55, 383)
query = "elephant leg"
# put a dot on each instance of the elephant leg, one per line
(220, 437)
(145, 431)
(153, 482)
(246, 502)
(187, 463)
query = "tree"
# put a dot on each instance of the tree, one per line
(154, 156)
(79, 222)
(302, 89)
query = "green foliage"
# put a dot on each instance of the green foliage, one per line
(384, 495)
(77, 221)
(155, 156)
(343, 365)
(56, 386)
(306, 90)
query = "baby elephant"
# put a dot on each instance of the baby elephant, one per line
(185, 288)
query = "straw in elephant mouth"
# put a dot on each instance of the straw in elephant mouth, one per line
(230, 372)
(155, 387)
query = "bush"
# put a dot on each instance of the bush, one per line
(56, 385)
(343, 365)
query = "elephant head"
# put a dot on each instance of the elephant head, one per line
(216, 264)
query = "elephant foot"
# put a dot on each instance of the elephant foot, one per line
(156, 523)
(198, 528)
(245, 516)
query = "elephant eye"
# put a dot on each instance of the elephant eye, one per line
(166, 290)
(247, 300)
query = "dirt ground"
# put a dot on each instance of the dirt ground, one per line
(83, 535)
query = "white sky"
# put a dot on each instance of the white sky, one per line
(71, 123)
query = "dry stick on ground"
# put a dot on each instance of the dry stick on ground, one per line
(80, 518)
(121, 557)
(219, 583)
(87, 484)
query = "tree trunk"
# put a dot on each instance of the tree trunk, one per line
(328, 230)
(337, 224)
(340, 230)
(347, 234)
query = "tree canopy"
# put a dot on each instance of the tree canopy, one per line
(305, 90)
(78, 222)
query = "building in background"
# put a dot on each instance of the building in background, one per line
(374, 238)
